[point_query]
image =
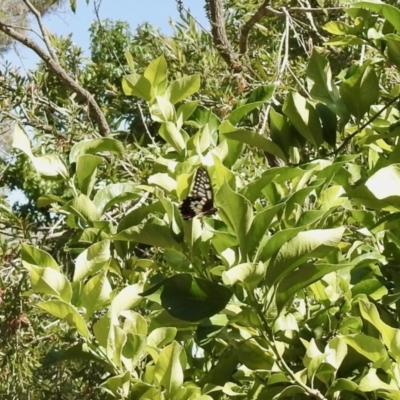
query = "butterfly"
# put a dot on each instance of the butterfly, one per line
(201, 201)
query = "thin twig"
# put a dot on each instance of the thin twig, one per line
(311, 19)
(43, 30)
(285, 39)
(60, 72)
(144, 124)
(265, 9)
(301, 10)
(362, 127)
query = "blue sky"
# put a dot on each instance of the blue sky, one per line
(64, 21)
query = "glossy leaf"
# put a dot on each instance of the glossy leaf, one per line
(92, 260)
(189, 298)
(360, 91)
(95, 146)
(86, 168)
(304, 117)
(68, 313)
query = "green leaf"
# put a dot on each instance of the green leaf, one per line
(95, 146)
(262, 93)
(81, 351)
(164, 181)
(388, 12)
(34, 256)
(371, 382)
(92, 260)
(236, 212)
(322, 85)
(151, 234)
(133, 350)
(67, 313)
(371, 287)
(118, 386)
(300, 196)
(272, 244)
(393, 49)
(256, 140)
(49, 165)
(280, 175)
(101, 329)
(306, 245)
(255, 357)
(304, 118)
(168, 371)
(72, 4)
(182, 88)
(128, 298)
(390, 335)
(86, 168)
(50, 281)
(115, 194)
(222, 372)
(21, 141)
(160, 337)
(96, 294)
(299, 279)
(129, 60)
(82, 207)
(189, 298)
(340, 28)
(342, 385)
(371, 348)
(156, 72)
(385, 182)
(185, 110)
(139, 86)
(162, 110)
(172, 135)
(48, 199)
(361, 90)
(260, 226)
(137, 215)
(290, 392)
(329, 124)
(134, 322)
(230, 149)
(248, 274)
(239, 113)
(280, 131)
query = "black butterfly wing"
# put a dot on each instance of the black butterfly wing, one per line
(200, 202)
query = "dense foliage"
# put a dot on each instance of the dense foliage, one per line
(289, 291)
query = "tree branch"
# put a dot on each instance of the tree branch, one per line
(257, 16)
(55, 66)
(362, 127)
(265, 9)
(217, 20)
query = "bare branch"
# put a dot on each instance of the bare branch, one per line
(257, 16)
(55, 66)
(145, 126)
(43, 29)
(311, 19)
(265, 9)
(217, 20)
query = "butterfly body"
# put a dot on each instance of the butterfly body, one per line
(200, 202)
